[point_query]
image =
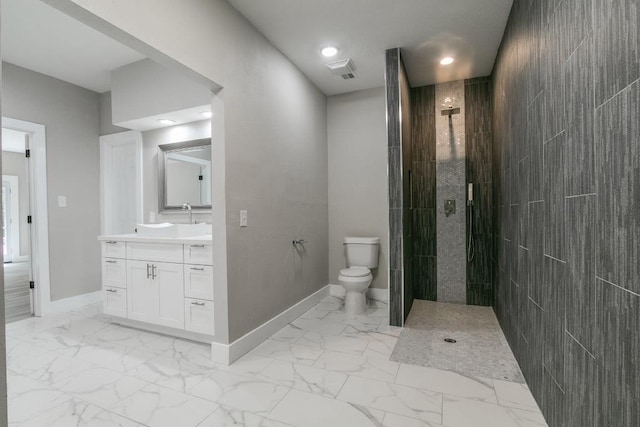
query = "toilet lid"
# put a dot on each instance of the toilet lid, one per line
(355, 272)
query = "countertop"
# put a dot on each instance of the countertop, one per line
(133, 237)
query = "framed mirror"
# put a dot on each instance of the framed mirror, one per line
(184, 175)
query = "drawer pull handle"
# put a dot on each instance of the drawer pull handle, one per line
(197, 246)
(111, 242)
(110, 261)
(197, 268)
(201, 304)
(112, 290)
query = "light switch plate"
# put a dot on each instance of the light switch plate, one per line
(62, 201)
(243, 218)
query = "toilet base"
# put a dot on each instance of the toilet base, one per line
(355, 303)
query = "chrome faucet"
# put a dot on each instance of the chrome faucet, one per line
(187, 207)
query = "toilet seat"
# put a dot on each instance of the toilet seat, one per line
(355, 272)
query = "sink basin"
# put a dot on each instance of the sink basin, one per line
(173, 230)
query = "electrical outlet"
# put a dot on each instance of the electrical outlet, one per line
(243, 218)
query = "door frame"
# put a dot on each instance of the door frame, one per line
(38, 201)
(13, 238)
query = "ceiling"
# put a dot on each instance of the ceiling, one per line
(426, 30)
(39, 37)
(43, 39)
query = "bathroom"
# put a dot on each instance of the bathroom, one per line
(305, 159)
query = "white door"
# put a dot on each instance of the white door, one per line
(121, 182)
(168, 280)
(142, 292)
(16, 210)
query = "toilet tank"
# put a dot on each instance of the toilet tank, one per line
(362, 251)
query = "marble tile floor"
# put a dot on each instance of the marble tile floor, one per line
(323, 369)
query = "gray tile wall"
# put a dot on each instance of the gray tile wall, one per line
(423, 192)
(400, 213)
(407, 206)
(481, 268)
(395, 186)
(451, 185)
(566, 184)
(478, 164)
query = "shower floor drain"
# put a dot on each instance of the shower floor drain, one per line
(450, 340)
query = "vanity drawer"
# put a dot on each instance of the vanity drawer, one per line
(155, 252)
(113, 249)
(198, 281)
(198, 254)
(114, 272)
(199, 316)
(115, 301)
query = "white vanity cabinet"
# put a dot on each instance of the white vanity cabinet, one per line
(163, 283)
(114, 278)
(155, 293)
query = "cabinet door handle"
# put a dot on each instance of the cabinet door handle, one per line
(153, 272)
(148, 270)
(197, 246)
(201, 304)
(112, 290)
(110, 261)
(111, 242)
(197, 268)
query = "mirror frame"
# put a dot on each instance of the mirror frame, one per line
(163, 150)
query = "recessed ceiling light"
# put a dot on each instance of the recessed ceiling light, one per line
(446, 60)
(166, 121)
(206, 114)
(329, 51)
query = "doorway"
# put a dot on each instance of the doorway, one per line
(16, 242)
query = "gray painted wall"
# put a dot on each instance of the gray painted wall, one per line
(16, 164)
(150, 141)
(358, 199)
(3, 346)
(567, 150)
(106, 120)
(275, 151)
(71, 117)
(146, 88)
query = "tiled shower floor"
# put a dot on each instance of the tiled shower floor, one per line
(480, 350)
(324, 369)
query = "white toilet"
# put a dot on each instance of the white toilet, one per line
(362, 255)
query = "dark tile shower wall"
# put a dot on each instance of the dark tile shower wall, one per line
(407, 160)
(478, 155)
(400, 213)
(566, 181)
(423, 192)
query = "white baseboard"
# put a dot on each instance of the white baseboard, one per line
(372, 293)
(171, 332)
(228, 353)
(72, 303)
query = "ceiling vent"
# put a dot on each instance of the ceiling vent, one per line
(344, 68)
